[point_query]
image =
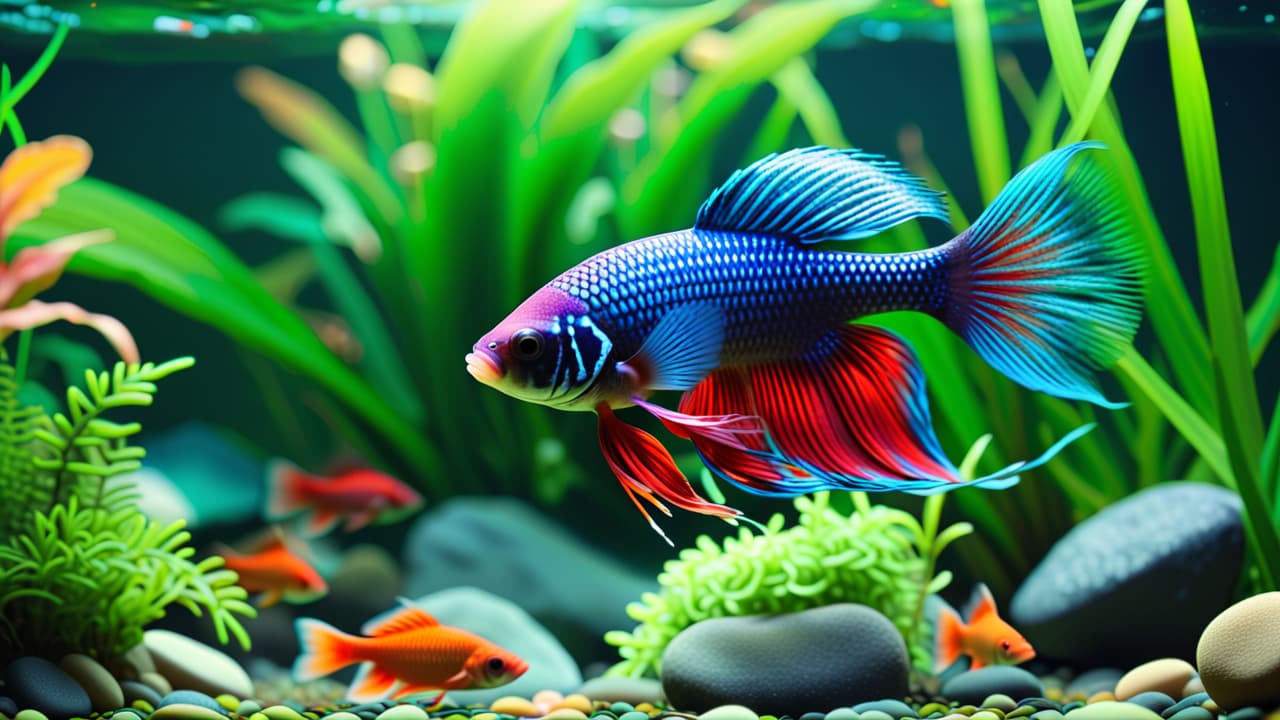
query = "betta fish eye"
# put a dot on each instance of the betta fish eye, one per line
(496, 664)
(1004, 645)
(527, 344)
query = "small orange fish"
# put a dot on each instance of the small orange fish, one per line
(361, 496)
(986, 638)
(404, 653)
(273, 570)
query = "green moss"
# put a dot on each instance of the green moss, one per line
(877, 556)
(82, 569)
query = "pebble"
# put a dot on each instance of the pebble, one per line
(30, 714)
(875, 715)
(1167, 675)
(1245, 713)
(843, 713)
(193, 665)
(1153, 700)
(984, 715)
(1239, 654)
(636, 715)
(895, 708)
(620, 707)
(575, 701)
(625, 689)
(1000, 701)
(132, 663)
(36, 683)
(281, 712)
(186, 711)
(157, 682)
(1194, 712)
(729, 712)
(190, 697)
(565, 713)
(249, 707)
(1112, 710)
(403, 712)
(1093, 681)
(8, 707)
(976, 685)
(134, 690)
(1048, 714)
(103, 690)
(125, 714)
(344, 715)
(1098, 697)
(929, 709)
(1194, 686)
(514, 705)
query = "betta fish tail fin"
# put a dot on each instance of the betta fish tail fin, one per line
(1046, 285)
(284, 489)
(947, 641)
(325, 650)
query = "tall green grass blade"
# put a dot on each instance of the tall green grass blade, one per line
(1238, 406)
(1103, 69)
(984, 111)
(1263, 319)
(1015, 81)
(797, 82)
(1271, 463)
(35, 72)
(1169, 306)
(175, 261)
(1044, 122)
(658, 190)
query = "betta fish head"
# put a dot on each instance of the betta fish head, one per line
(490, 666)
(547, 351)
(1013, 649)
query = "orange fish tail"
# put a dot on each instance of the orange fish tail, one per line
(284, 489)
(325, 650)
(950, 632)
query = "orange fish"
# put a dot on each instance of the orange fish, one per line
(404, 653)
(986, 638)
(360, 495)
(273, 570)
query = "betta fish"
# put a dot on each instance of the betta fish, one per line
(751, 318)
(404, 652)
(360, 495)
(985, 637)
(271, 569)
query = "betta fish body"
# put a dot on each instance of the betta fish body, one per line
(782, 395)
(983, 635)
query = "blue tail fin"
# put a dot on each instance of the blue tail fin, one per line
(1047, 285)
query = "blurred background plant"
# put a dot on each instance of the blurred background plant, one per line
(529, 146)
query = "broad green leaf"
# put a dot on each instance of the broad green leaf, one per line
(284, 216)
(172, 259)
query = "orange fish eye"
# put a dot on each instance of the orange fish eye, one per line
(1004, 645)
(496, 664)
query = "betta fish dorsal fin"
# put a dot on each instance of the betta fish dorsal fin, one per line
(682, 349)
(407, 617)
(981, 604)
(818, 193)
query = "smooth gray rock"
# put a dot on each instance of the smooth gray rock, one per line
(37, 684)
(504, 623)
(190, 665)
(1144, 576)
(624, 689)
(505, 547)
(813, 660)
(974, 686)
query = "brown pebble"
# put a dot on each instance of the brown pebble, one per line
(1103, 696)
(156, 681)
(576, 701)
(103, 690)
(514, 705)
(1167, 675)
(132, 663)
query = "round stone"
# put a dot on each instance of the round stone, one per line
(30, 714)
(514, 705)
(135, 691)
(38, 684)
(1152, 700)
(787, 664)
(1167, 675)
(843, 713)
(633, 715)
(403, 712)
(185, 711)
(281, 712)
(620, 707)
(565, 713)
(1112, 710)
(999, 701)
(1193, 713)
(729, 712)
(895, 708)
(156, 682)
(1239, 654)
(575, 701)
(191, 697)
(974, 686)
(1179, 540)
(630, 690)
(191, 665)
(103, 690)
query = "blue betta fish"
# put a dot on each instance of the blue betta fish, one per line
(782, 395)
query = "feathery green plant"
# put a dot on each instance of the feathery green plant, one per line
(82, 569)
(877, 556)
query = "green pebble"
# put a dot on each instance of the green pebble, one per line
(229, 702)
(30, 714)
(403, 712)
(310, 715)
(1112, 710)
(843, 713)
(138, 704)
(632, 715)
(872, 715)
(485, 715)
(125, 714)
(1048, 714)
(248, 707)
(986, 715)
(999, 701)
(966, 710)
(258, 716)
(186, 711)
(620, 708)
(1019, 712)
(344, 715)
(729, 712)
(932, 708)
(281, 712)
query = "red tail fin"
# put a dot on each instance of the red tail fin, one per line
(325, 649)
(284, 489)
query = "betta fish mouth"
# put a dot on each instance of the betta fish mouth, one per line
(484, 366)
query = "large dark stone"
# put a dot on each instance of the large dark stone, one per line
(813, 660)
(1138, 580)
(38, 684)
(974, 686)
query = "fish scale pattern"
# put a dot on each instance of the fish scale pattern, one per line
(777, 297)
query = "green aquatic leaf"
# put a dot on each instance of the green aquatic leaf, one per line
(1263, 319)
(800, 86)
(284, 216)
(983, 109)
(175, 261)
(1103, 68)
